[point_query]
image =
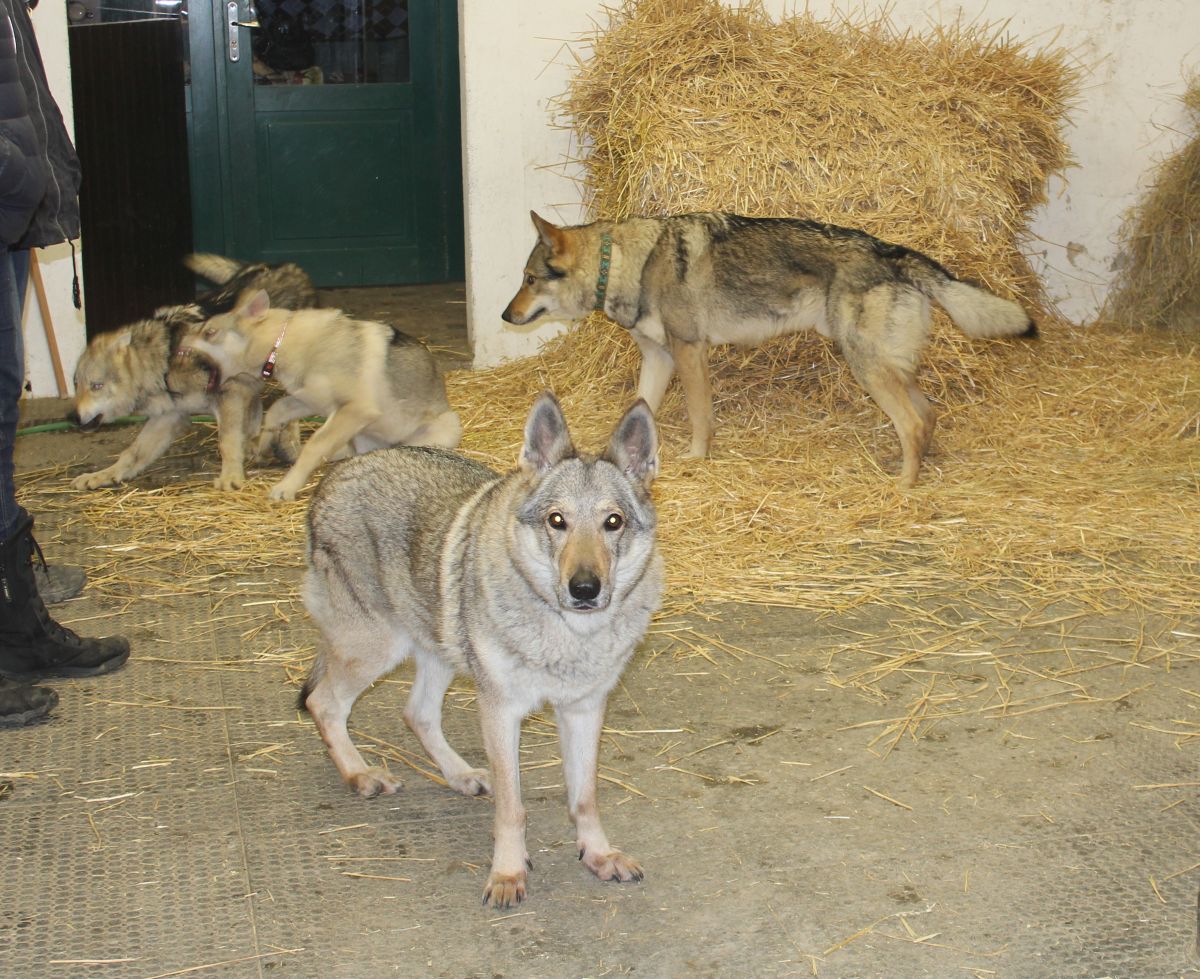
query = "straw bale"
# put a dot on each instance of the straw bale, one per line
(941, 140)
(1159, 283)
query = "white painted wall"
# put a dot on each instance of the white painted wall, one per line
(513, 62)
(50, 22)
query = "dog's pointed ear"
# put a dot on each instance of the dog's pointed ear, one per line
(634, 445)
(550, 234)
(547, 441)
(259, 303)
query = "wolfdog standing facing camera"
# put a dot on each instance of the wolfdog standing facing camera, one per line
(683, 283)
(539, 584)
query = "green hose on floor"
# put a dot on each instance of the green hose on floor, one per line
(68, 427)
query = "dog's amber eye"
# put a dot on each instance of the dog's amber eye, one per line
(557, 521)
(209, 334)
(530, 280)
(614, 521)
(97, 385)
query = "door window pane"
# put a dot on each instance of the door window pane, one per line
(331, 42)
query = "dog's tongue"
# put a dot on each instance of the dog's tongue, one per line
(214, 379)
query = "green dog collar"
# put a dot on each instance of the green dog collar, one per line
(602, 277)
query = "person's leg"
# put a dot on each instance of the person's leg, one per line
(58, 582)
(32, 645)
(19, 704)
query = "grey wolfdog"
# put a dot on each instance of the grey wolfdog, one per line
(539, 584)
(684, 283)
(136, 369)
(374, 385)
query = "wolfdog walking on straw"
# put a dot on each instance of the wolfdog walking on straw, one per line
(539, 584)
(684, 283)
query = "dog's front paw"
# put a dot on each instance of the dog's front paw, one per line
(613, 865)
(283, 490)
(505, 890)
(374, 781)
(230, 481)
(89, 481)
(473, 781)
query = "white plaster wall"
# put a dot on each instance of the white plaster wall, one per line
(50, 22)
(513, 61)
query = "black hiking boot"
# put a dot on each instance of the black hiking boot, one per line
(32, 645)
(21, 705)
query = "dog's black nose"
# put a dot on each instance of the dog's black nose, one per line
(584, 586)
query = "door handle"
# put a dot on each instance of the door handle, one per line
(232, 28)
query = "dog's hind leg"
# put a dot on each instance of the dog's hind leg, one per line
(284, 413)
(339, 428)
(880, 335)
(423, 715)
(443, 431)
(657, 368)
(897, 395)
(579, 727)
(346, 669)
(691, 360)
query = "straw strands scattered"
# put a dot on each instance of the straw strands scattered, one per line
(1159, 284)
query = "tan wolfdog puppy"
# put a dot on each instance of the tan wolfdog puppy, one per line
(539, 584)
(374, 385)
(682, 284)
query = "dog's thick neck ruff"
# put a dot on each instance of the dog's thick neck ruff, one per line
(602, 275)
(268, 367)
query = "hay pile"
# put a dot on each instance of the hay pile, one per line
(1159, 285)
(941, 141)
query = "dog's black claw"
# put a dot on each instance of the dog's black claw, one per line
(528, 864)
(581, 853)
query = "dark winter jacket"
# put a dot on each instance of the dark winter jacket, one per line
(23, 171)
(57, 215)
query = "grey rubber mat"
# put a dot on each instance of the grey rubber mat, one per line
(180, 817)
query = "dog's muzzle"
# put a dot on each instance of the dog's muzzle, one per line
(509, 317)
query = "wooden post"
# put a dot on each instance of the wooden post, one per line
(35, 276)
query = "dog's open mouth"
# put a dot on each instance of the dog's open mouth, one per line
(90, 425)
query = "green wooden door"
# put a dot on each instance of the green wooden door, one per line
(334, 144)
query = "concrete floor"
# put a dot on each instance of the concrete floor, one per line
(181, 817)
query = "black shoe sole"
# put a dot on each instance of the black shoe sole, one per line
(68, 672)
(32, 716)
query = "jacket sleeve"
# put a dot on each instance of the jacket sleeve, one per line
(22, 186)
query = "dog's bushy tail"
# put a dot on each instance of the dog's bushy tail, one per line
(215, 268)
(974, 310)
